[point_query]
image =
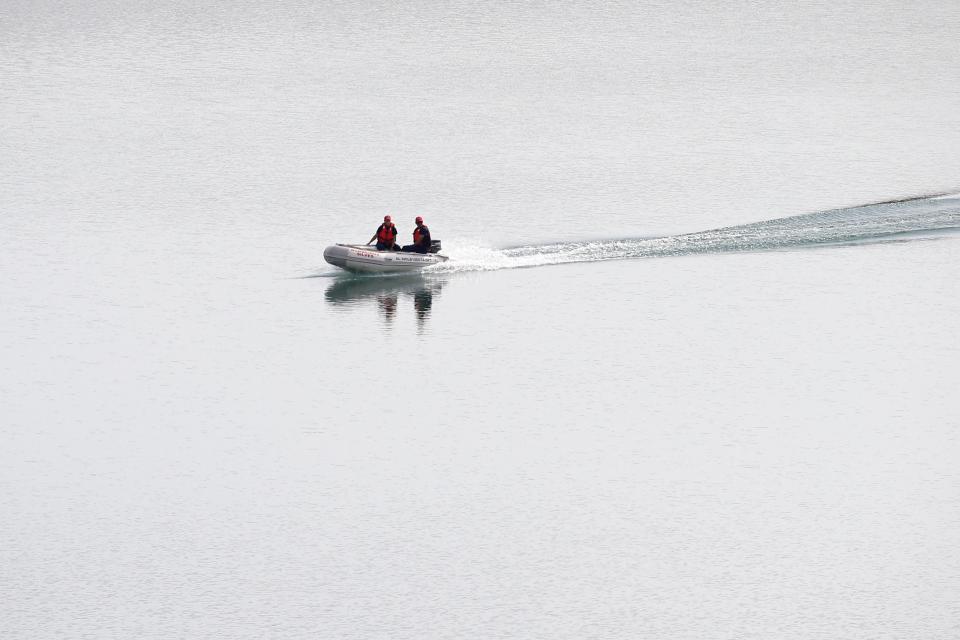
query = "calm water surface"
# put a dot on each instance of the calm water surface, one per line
(641, 400)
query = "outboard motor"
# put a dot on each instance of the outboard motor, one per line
(434, 246)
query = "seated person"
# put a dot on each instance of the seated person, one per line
(386, 236)
(421, 238)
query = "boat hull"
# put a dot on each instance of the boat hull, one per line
(363, 259)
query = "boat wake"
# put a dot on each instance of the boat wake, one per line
(927, 217)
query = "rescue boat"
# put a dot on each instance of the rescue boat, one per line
(361, 258)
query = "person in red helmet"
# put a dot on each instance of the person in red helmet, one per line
(421, 238)
(386, 236)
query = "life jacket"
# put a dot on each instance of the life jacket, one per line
(417, 236)
(387, 234)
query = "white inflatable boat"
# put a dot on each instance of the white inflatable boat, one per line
(362, 258)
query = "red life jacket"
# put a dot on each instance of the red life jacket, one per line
(416, 236)
(387, 234)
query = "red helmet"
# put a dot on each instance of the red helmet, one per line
(418, 220)
(386, 218)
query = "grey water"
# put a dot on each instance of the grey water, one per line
(690, 371)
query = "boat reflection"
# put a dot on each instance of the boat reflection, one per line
(388, 293)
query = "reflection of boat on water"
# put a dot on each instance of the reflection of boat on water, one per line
(350, 289)
(387, 292)
(362, 259)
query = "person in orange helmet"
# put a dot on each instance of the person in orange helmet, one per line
(386, 236)
(421, 238)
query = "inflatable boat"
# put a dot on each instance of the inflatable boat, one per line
(362, 258)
